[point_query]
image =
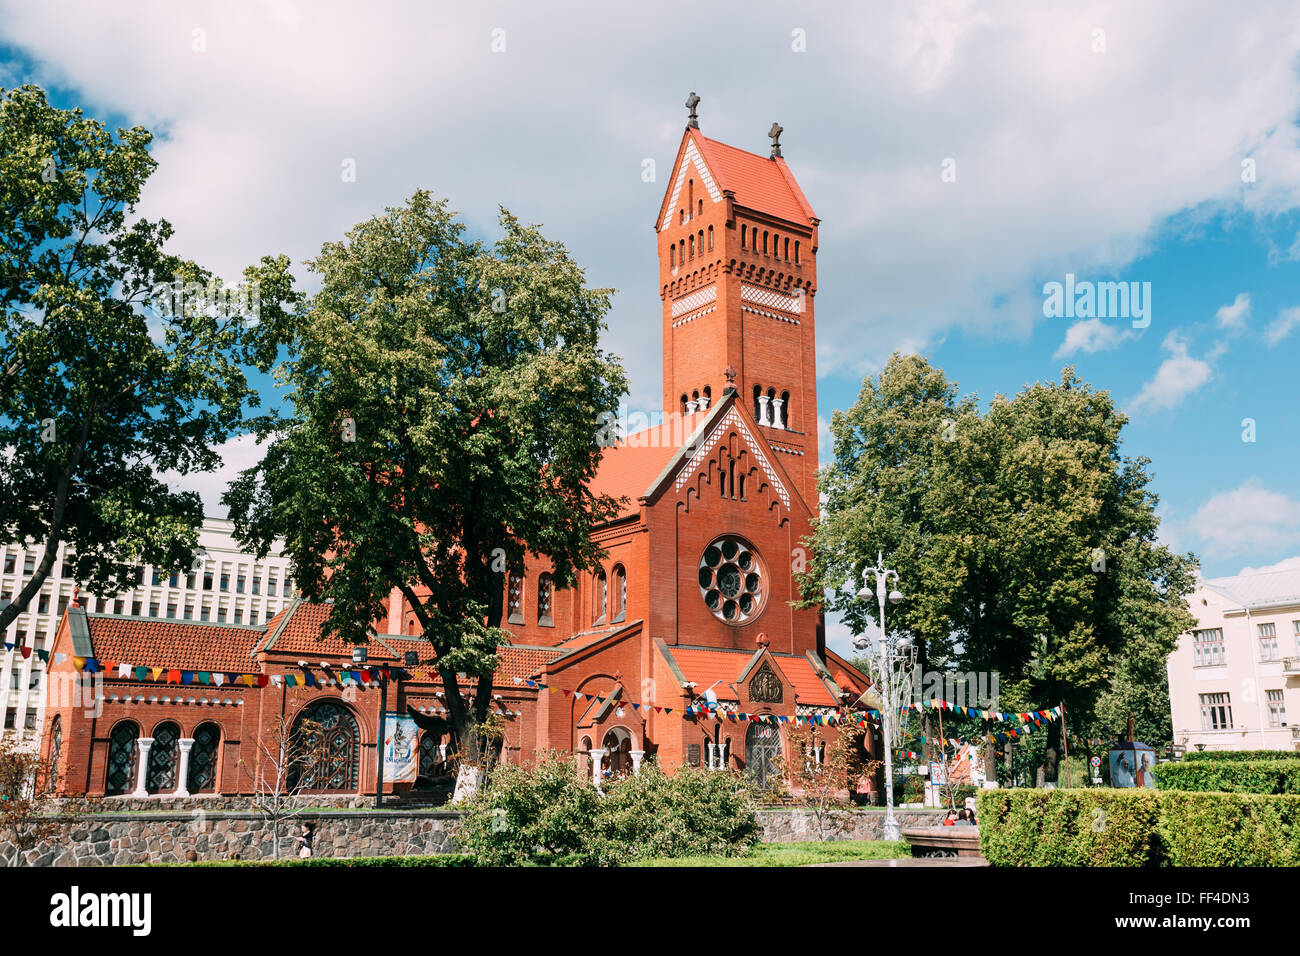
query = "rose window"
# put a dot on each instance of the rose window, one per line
(732, 580)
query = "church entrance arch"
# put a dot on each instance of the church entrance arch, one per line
(762, 748)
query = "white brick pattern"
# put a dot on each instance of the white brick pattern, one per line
(771, 298)
(691, 158)
(689, 303)
(705, 448)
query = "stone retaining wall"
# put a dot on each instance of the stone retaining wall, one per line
(171, 834)
(796, 825)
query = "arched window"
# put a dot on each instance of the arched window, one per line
(326, 748)
(672, 256)
(601, 597)
(690, 196)
(692, 247)
(762, 750)
(710, 238)
(545, 599)
(784, 415)
(701, 208)
(776, 245)
(764, 242)
(56, 752)
(515, 598)
(620, 594)
(758, 406)
(787, 249)
(706, 397)
(796, 252)
(681, 251)
(122, 751)
(164, 759)
(743, 237)
(203, 759)
(701, 242)
(685, 398)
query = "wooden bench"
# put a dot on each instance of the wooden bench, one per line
(943, 841)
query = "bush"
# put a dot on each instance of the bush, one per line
(1138, 828)
(543, 814)
(1231, 755)
(694, 812)
(1231, 776)
(1237, 829)
(548, 814)
(1093, 827)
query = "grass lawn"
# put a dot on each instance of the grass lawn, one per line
(795, 854)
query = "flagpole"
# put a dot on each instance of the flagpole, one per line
(1065, 743)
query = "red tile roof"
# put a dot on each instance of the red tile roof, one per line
(628, 469)
(704, 666)
(297, 630)
(183, 645)
(523, 661)
(758, 182)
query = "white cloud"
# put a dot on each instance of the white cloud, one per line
(1075, 155)
(1286, 321)
(1092, 335)
(1250, 518)
(1177, 377)
(1234, 316)
(1286, 564)
(238, 454)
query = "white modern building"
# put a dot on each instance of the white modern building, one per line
(1234, 681)
(230, 586)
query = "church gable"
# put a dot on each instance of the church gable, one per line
(690, 165)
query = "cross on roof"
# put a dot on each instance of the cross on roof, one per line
(693, 101)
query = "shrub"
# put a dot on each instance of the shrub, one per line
(1138, 828)
(1230, 829)
(543, 814)
(1022, 827)
(548, 814)
(694, 812)
(1231, 755)
(1231, 776)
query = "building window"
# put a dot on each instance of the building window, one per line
(117, 606)
(257, 584)
(207, 580)
(620, 594)
(1268, 642)
(743, 236)
(164, 759)
(601, 597)
(287, 587)
(710, 238)
(1277, 708)
(787, 249)
(174, 580)
(157, 577)
(203, 759)
(239, 615)
(239, 584)
(1216, 712)
(189, 612)
(171, 610)
(515, 598)
(122, 752)
(691, 247)
(328, 744)
(796, 252)
(56, 749)
(225, 581)
(545, 600)
(672, 256)
(252, 617)
(1208, 647)
(9, 563)
(43, 605)
(731, 578)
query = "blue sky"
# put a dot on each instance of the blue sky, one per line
(1104, 140)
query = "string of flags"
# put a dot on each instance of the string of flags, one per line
(174, 675)
(1049, 713)
(579, 695)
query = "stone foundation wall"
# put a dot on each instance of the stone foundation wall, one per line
(796, 825)
(119, 839)
(159, 833)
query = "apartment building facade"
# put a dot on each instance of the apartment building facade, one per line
(226, 585)
(1234, 680)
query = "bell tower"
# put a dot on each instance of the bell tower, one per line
(737, 245)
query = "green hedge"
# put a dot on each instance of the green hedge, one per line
(1230, 829)
(1231, 776)
(1231, 755)
(1137, 828)
(1093, 827)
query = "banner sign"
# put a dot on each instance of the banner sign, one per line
(401, 748)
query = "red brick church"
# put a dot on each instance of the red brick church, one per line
(689, 612)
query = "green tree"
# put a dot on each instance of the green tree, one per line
(117, 360)
(446, 398)
(1026, 540)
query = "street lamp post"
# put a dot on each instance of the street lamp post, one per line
(886, 657)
